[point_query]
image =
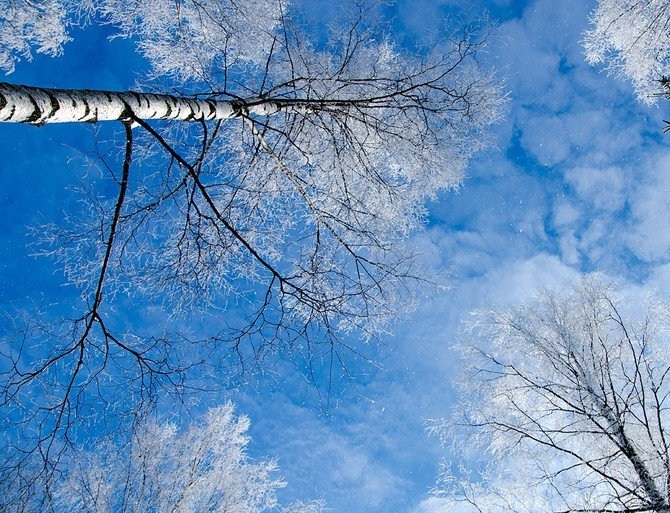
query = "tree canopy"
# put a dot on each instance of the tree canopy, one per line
(281, 226)
(163, 468)
(567, 396)
(631, 38)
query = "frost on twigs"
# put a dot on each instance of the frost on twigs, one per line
(25, 24)
(564, 406)
(278, 232)
(182, 39)
(161, 467)
(632, 39)
(197, 40)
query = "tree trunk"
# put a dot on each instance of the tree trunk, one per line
(37, 106)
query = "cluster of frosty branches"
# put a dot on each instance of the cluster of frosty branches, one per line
(197, 40)
(631, 37)
(25, 24)
(280, 228)
(163, 468)
(182, 38)
(569, 401)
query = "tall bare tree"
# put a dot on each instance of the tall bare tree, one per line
(568, 400)
(273, 202)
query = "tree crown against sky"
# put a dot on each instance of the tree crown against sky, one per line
(367, 133)
(204, 467)
(631, 38)
(567, 396)
(186, 40)
(282, 231)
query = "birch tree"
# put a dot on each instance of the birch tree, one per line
(273, 203)
(631, 38)
(567, 399)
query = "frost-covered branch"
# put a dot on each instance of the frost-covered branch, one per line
(266, 214)
(568, 399)
(631, 37)
(162, 467)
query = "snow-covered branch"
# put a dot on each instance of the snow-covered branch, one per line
(567, 397)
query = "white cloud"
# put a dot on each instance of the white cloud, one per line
(565, 213)
(604, 188)
(659, 281)
(650, 206)
(521, 279)
(354, 470)
(569, 247)
(604, 134)
(435, 505)
(344, 458)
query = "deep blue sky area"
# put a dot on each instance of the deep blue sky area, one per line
(578, 181)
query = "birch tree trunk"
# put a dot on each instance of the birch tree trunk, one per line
(37, 106)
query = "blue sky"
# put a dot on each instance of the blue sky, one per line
(579, 181)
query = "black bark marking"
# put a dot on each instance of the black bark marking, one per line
(36, 114)
(212, 109)
(238, 109)
(87, 109)
(55, 106)
(137, 98)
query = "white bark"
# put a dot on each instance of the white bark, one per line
(37, 106)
